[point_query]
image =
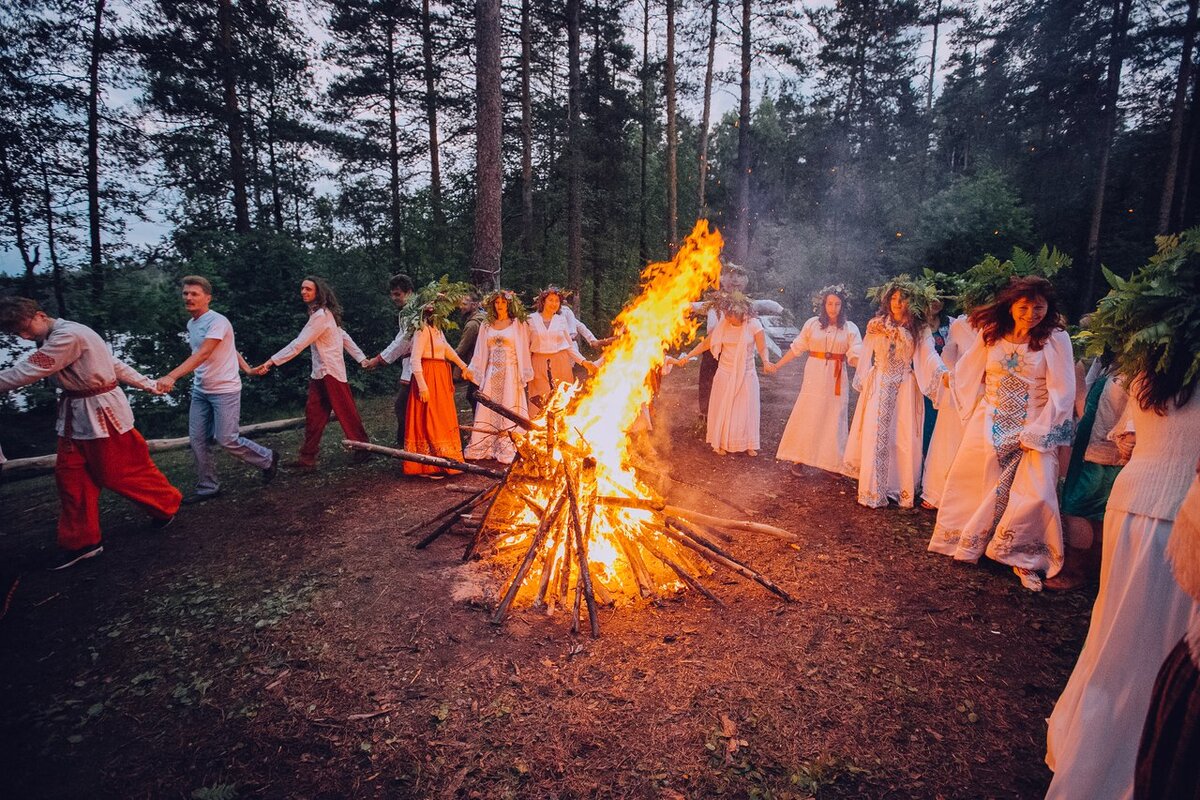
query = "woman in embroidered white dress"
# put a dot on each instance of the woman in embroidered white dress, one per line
(897, 365)
(816, 430)
(733, 406)
(1015, 388)
(502, 366)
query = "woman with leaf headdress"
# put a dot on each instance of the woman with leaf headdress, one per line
(431, 427)
(897, 366)
(733, 406)
(816, 430)
(502, 367)
(1151, 322)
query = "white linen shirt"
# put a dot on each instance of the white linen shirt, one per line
(575, 328)
(74, 358)
(400, 347)
(325, 341)
(551, 337)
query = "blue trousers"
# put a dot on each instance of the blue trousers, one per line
(214, 417)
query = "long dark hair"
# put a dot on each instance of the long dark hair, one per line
(326, 298)
(995, 320)
(1159, 389)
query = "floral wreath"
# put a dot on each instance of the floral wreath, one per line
(838, 290)
(549, 290)
(516, 309)
(729, 303)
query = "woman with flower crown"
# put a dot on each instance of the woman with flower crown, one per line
(898, 365)
(816, 430)
(502, 366)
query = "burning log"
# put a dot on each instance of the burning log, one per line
(505, 411)
(703, 519)
(421, 458)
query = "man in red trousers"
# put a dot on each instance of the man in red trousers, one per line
(98, 447)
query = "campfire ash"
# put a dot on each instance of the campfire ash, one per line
(585, 530)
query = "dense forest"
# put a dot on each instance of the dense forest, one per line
(524, 142)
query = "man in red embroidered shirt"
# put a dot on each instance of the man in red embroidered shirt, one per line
(98, 447)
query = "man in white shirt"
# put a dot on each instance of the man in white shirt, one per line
(98, 447)
(400, 288)
(216, 393)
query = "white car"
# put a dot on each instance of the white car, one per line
(780, 334)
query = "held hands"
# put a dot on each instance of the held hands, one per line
(164, 385)
(769, 368)
(261, 369)
(469, 375)
(371, 363)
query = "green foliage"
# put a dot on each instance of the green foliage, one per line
(1150, 322)
(434, 303)
(922, 296)
(981, 282)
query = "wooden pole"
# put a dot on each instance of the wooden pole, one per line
(505, 411)
(421, 458)
(696, 516)
(680, 571)
(581, 547)
(518, 578)
(471, 545)
(677, 529)
(453, 517)
(451, 511)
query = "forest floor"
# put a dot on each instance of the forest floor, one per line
(286, 642)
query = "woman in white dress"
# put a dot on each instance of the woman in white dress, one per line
(948, 429)
(733, 406)
(1015, 388)
(1141, 611)
(816, 430)
(501, 362)
(552, 352)
(898, 365)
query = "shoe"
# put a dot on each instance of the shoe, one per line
(1029, 579)
(798, 470)
(299, 466)
(925, 504)
(430, 476)
(159, 524)
(199, 497)
(270, 472)
(73, 557)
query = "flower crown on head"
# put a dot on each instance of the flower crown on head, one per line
(516, 309)
(838, 290)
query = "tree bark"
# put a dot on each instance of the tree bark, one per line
(431, 118)
(393, 144)
(672, 138)
(17, 213)
(233, 118)
(937, 21)
(485, 262)
(574, 204)
(1186, 172)
(56, 270)
(644, 206)
(705, 118)
(1108, 127)
(95, 250)
(741, 249)
(1182, 81)
(526, 136)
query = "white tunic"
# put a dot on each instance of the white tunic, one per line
(1141, 613)
(733, 406)
(76, 359)
(883, 449)
(816, 430)
(1018, 405)
(549, 337)
(948, 430)
(325, 341)
(502, 367)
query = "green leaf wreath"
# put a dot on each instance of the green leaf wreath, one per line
(1152, 320)
(981, 282)
(516, 309)
(922, 296)
(441, 297)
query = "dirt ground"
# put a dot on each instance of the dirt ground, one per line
(288, 642)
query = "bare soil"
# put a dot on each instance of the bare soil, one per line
(287, 642)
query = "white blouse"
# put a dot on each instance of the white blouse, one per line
(549, 337)
(325, 340)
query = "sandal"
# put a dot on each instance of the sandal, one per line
(1029, 579)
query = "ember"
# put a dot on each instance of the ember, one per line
(585, 528)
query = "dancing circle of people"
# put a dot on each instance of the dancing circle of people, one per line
(978, 416)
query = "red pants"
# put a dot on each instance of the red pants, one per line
(325, 395)
(120, 463)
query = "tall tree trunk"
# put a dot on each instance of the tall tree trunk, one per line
(1108, 127)
(574, 201)
(741, 238)
(1186, 174)
(1182, 81)
(233, 118)
(56, 270)
(8, 181)
(397, 238)
(95, 250)
(431, 118)
(937, 21)
(485, 261)
(643, 199)
(672, 138)
(273, 164)
(255, 172)
(526, 136)
(706, 115)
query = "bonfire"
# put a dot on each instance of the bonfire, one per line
(584, 528)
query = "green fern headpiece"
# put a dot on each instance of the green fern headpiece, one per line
(1151, 322)
(981, 282)
(435, 304)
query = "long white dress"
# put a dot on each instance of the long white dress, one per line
(502, 366)
(1140, 614)
(816, 430)
(883, 449)
(1018, 407)
(948, 430)
(733, 406)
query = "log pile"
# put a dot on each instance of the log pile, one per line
(576, 539)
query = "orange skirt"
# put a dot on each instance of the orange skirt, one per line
(432, 428)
